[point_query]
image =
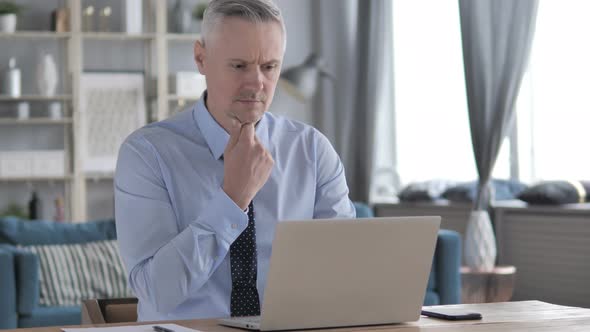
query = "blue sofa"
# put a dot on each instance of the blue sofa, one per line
(444, 284)
(19, 272)
(19, 269)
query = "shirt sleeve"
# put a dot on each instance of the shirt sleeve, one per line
(167, 264)
(332, 191)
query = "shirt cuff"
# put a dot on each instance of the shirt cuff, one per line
(224, 217)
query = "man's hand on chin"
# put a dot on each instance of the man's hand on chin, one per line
(247, 165)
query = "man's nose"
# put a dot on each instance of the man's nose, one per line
(255, 79)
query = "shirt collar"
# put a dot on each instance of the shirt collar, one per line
(215, 136)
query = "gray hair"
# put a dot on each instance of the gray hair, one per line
(255, 11)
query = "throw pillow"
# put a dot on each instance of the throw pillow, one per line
(70, 273)
(502, 190)
(557, 192)
(426, 191)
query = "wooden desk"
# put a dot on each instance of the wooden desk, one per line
(501, 317)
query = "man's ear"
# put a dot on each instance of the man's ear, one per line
(199, 53)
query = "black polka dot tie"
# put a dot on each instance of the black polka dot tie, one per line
(244, 295)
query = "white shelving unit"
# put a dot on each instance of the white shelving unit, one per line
(117, 36)
(38, 179)
(176, 98)
(36, 98)
(182, 37)
(35, 121)
(35, 35)
(155, 65)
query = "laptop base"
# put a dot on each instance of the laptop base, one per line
(249, 323)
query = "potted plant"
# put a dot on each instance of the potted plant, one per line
(8, 12)
(14, 210)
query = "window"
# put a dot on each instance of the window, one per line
(432, 136)
(553, 108)
(432, 121)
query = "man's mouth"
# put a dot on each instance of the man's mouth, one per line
(249, 101)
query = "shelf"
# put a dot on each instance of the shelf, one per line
(179, 98)
(99, 176)
(35, 121)
(35, 98)
(117, 36)
(36, 178)
(72, 45)
(35, 35)
(183, 36)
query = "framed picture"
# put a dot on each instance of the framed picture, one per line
(112, 106)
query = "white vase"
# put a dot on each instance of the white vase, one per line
(480, 242)
(8, 23)
(46, 75)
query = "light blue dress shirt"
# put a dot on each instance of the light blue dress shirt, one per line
(175, 224)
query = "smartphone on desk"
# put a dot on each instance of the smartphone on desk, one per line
(451, 314)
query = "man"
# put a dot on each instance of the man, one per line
(198, 195)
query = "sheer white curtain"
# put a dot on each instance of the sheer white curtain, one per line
(553, 108)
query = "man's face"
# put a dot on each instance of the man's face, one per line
(242, 63)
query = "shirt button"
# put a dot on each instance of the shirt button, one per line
(234, 226)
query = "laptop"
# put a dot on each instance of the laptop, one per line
(346, 272)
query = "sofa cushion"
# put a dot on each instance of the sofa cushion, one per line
(51, 316)
(26, 232)
(70, 273)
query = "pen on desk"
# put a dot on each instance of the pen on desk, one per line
(161, 329)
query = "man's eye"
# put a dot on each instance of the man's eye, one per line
(238, 66)
(270, 67)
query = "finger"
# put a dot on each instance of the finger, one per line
(270, 159)
(247, 133)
